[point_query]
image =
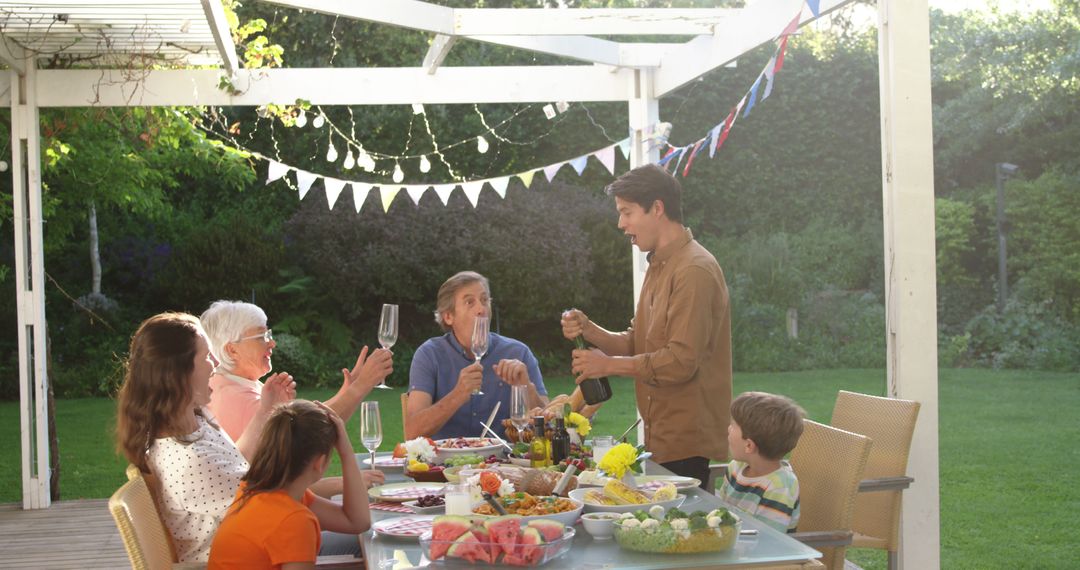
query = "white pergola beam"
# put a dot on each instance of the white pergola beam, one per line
(219, 27)
(582, 48)
(907, 179)
(755, 25)
(326, 86)
(10, 55)
(440, 47)
(522, 21)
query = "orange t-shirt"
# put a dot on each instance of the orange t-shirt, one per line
(271, 529)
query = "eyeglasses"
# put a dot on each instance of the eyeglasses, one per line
(264, 336)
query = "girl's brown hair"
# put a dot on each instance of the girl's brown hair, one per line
(157, 383)
(295, 434)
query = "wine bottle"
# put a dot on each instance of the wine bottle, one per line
(595, 390)
(540, 447)
(560, 442)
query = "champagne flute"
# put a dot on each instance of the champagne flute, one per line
(480, 340)
(519, 407)
(387, 332)
(370, 428)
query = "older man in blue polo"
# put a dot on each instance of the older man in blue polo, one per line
(445, 376)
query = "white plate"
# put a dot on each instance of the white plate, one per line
(404, 527)
(404, 492)
(483, 451)
(425, 510)
(579, 495)
(568, 518)
(679, 481)
(384, 462)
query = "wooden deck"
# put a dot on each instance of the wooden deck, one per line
(69, 534)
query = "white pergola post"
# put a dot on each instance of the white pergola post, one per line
(907, 163)
(30, 285)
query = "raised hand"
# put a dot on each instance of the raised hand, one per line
(277, 389)
(370, 369)
(588, 363)
(573, 323)
(511, 371)
(342, 443)
(471, 377)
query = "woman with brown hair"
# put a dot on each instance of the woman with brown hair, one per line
(276, 519)
(162, 428)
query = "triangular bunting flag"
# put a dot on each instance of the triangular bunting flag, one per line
(678, 159)
(668, 156)
(499, 185)
(792, 25)
(770, 73)
(551, 169)
(333, 190)
(472, 191)
(579, 163)
(693, 153)
(815, 7)
(752, 97)
(275, 170)
(416, 192)
(304, 180)
(624, 146)
(730, 120)
(715, 132)
(526, 177)
(359, 194)
(387, 193)
(443, 191)
(780, 55)
(606, 156)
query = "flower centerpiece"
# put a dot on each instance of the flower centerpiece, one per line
(419, 454)
(488, 482)
(622, 460)
(578, 426)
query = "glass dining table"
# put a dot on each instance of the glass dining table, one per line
(765, 549)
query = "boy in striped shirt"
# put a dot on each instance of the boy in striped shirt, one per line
(764, 427)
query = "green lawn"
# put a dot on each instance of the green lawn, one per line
(1003, 437)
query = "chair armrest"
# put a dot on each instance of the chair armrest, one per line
(885, 484)
(189, 566)
(339, 561)
(822, 538)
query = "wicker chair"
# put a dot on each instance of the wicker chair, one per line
(829, 463)
(145, 538)
(890, 423)
(404, 417)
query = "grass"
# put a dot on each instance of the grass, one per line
(1009, 459)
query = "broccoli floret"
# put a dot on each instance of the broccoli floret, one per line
(641, 515)
(676, 514)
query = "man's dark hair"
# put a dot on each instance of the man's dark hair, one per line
(647, 184)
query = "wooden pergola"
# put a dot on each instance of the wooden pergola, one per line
(194, 32)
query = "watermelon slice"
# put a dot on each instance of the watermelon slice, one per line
(530, 546)
(504, 531)
(549, 529)
(486, 541)
(514, 560)
(444, 530)
(469, 548)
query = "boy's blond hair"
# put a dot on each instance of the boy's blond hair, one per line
(773, 422)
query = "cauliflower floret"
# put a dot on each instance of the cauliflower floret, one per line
(626, 516)
(680, 524)
(650, 525)
(631, 523)
(714, 513)
(713, 521)
(656, 512)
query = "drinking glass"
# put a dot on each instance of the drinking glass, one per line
(480, 341)
(458, 499)
(601, 445)
(370, 428)
(519, 406)
(387, 332)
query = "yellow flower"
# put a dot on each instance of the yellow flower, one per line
(580, 423)
(617, 460)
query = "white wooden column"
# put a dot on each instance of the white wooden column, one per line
(644, 116)
(30, 286)
(910, 270)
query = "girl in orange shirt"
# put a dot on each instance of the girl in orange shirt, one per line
(275, 521)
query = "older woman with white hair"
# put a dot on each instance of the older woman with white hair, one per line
(243, 346)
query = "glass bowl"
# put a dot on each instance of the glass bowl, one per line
(547, 551)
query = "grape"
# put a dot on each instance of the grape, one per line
(430, 501)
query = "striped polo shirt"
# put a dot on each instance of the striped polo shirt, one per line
(771, 498)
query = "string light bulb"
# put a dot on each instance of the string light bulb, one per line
(301, 119)
(425, 165)
(365, 161)
(481, 144)
(318, 121)
(398, 174)
(331, 153)
(350, 160)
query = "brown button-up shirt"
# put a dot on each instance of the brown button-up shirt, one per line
(681, 338)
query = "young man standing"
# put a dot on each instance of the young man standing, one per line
(678, 346)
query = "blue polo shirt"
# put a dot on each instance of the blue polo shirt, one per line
(435, 369)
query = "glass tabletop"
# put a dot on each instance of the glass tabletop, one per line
(768, 546)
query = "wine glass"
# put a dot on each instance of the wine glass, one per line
(370, 428)
(519, 406)
(480, 341)
(387, 332)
